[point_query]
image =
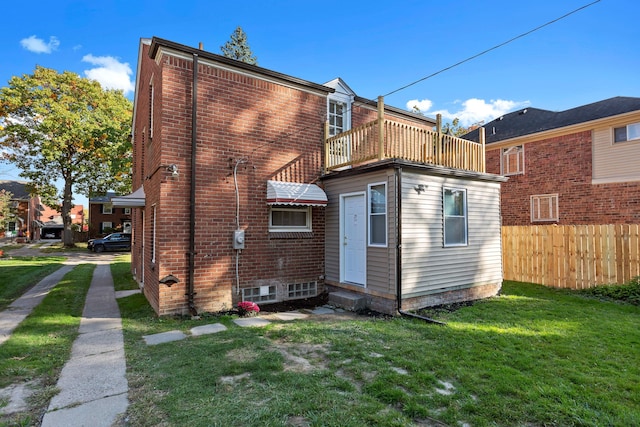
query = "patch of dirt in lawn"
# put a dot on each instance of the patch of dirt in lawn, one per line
(302, 357)
(296, 304)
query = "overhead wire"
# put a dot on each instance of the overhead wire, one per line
(539, 27)
(484, 52)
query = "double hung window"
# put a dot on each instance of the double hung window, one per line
(455, 216)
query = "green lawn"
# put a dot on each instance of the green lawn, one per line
(20, 273)
(531, 357)
(40, 346)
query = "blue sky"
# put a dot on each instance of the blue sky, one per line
(377, 47)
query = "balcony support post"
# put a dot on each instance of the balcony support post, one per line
(483, 160)
(439, 149)
(326, 148)
(381, 153)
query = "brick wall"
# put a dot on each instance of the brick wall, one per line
(278, 130)
(96, 217)
(563, 165)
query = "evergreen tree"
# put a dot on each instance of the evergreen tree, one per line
(238, 48)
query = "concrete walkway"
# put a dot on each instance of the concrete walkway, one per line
(93, 386)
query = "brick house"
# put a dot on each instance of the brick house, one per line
(254, 185)
(25, 211)
(105, 218)
(578, 166)
(51, 224)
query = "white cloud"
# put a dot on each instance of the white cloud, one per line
(110, 73)
(424, 105)
(472, 110)
(36, 45)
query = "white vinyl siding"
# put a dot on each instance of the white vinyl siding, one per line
(614, 162)
(427, 266)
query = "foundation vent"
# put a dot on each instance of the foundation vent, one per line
(302, 290)
(260, 294)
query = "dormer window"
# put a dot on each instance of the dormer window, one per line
(337, 120)
(339, 107)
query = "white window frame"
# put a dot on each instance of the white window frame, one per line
(290, 228)
(372, 214)
(506, 154)
(106, 224)
(631, 128)
(548, 202)
(153, 234)
(107, 209)
(465, 216)
(151, 102)
(127, 211)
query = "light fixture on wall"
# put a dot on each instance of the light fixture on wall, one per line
(420, 188)
(173, 168)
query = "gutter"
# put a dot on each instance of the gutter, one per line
(192, 199)
(398, 190)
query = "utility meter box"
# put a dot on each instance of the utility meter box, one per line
(238, 239)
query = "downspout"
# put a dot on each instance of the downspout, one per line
(398, 199)
(192, 201)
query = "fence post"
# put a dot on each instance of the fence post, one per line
(439, 139)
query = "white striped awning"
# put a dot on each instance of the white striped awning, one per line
(133, 200)
(295, 194)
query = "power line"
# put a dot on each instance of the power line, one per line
(493, 48)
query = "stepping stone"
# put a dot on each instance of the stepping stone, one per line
(251, 321)
(123, 294)
(323, 310)
(208, 329)
(163, 337)
(290, 315)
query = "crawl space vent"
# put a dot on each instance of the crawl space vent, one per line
(302, 290)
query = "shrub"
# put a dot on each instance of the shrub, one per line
(629, 292)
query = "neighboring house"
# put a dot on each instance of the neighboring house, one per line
(254, 185)
(104, 218)
(578, 166)
(51, 224)
(23, 223)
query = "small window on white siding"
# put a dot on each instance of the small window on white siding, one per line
(107, 209)
(544, 207)
(455, 216)
(626, 133)
(378, 214)
(289, 218)
(512, 160)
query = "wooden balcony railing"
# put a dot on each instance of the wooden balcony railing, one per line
(382, 139)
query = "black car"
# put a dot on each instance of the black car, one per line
(112, 242)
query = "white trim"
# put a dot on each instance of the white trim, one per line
(363, 194)
(615, 180)
(386, 213)
(519, 160)
(444, 218)
(281, 229)
(551, 197)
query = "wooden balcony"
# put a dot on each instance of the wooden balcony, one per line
(383, 139)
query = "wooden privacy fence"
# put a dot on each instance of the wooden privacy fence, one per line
(571, 256)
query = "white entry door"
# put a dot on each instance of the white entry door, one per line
(354, 248)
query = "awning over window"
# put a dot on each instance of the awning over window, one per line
(133, 200)
(295, 194)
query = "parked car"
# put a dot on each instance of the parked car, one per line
(112, 242)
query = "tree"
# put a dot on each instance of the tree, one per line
(238, 48)
(452, 128)
(60, 127)
(5, 207)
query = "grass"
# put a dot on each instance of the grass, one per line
(533, 356)
(20, 273)
(60, 247)
(41, 344)
(121, 273)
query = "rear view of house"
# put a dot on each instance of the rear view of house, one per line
(247, 182)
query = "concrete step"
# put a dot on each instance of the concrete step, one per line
(348, 300)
